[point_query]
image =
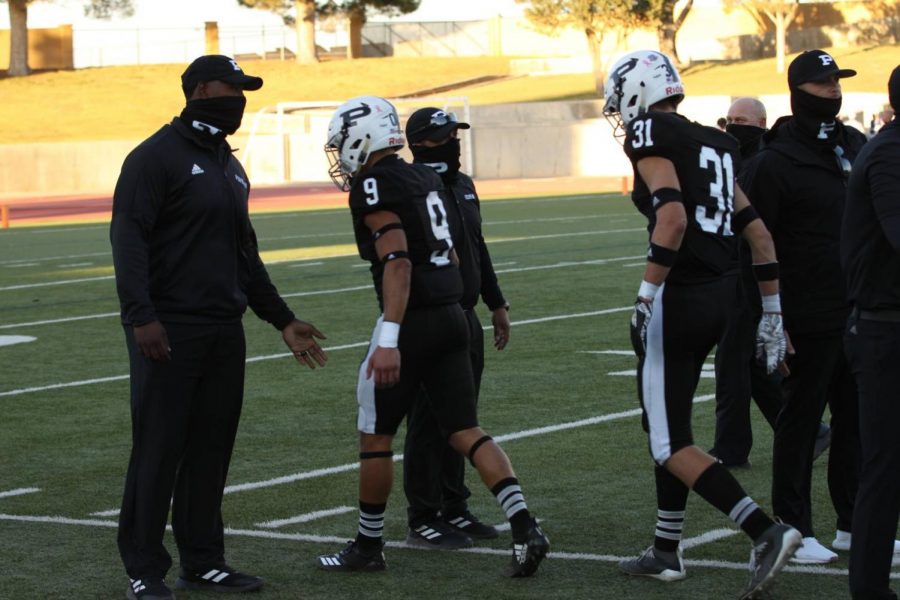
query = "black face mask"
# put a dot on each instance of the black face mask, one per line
(444, 159)
(747, 135)
(215, 117)
(816, 116)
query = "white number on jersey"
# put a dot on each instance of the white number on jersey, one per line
(642, 136)
(370, 187)
(721, 190)
(440, 228)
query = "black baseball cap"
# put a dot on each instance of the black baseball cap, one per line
(814, 65)
(431, 123)
(894, 88)
(215, 67)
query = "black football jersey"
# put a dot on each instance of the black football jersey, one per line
(706, 161)
(415, 193)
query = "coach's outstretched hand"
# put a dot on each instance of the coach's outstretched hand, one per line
(300, 338)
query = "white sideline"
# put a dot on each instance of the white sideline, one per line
(331, 539)
(19, 492)
(285, 354)
(306, 518)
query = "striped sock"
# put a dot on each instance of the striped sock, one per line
(671, 500)
(512, 501)
(371, 526)
(669, 526)
(719, 487)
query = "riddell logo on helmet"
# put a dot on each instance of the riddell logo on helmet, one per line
(392, 141)
(675, 89)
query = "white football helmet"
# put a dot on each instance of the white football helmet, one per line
(637, 81)
(359, 127)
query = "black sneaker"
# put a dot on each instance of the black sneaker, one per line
(770, 553)
(656, 564)
(352, 559)
(528, 554)
(469, 525)
(217, 579)
(437, 535)
(148, 588)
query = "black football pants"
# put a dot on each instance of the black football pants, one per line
(433, 472)
(738, 378)
(873, 350)
(184, 417)
(819, 374)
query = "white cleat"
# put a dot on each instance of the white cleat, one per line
(842, 542)
(811, 552)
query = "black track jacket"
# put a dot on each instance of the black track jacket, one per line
(183, 247)
(798, 187)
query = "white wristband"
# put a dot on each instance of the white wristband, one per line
(771, 304)
(647, 290)
(387, 336)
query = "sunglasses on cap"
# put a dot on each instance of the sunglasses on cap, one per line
(438, 119)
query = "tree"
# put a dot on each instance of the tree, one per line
(18, 26)
(780, 13)
(356, 11)
(596, 18)
(667, 24)
(887, 16)
(304, 23)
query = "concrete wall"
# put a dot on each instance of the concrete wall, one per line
(528, 140)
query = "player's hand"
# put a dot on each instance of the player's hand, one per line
(771, 342)
(783, 367)
(300, 337)
(152, 341)
(640, 319)
(385, 365)
(500, 321)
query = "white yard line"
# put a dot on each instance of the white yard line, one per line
(19, 492)
(65, 320)
(306, 264)
(331, 539)
(612, 352)
(709, 536)
(306, 518)
(286, 354)
(528, 238)
(27, 286)
(596, 261)
(47, 258)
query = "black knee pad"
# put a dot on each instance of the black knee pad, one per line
(381, 454)
(476, 446)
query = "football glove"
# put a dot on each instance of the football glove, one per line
(771, 343)
(640, 319)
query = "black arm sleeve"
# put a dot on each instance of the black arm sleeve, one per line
(262, 296)
(490, 288)
(139, 195)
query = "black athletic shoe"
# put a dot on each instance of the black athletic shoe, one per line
(770, 553)
(148, 589)
(437, 535)
(352, 559)
(217, 579)
(469, 525)
(527, 555)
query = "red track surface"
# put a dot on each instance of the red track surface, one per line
(306, 196)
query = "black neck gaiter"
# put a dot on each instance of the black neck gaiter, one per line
(215, 117)
(444, 159)
(815, 116)
(748, 136)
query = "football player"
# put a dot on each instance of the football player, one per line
(684, 183)
(402, 223)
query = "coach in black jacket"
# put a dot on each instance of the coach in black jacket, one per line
(433, 473)
(187, 267)
(870, 252)
(797, 183)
